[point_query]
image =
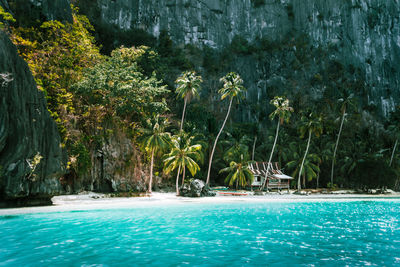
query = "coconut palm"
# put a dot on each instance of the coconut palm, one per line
(310, 124)
(233, 87)
(394, 130)
(183, 155)
(188, 86)
(235, 146)
(345, 102)
(310, 168)
(154, 140)
(283, 111)
(239, 172)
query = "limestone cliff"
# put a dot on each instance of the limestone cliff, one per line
(365, 33)
(26, 131)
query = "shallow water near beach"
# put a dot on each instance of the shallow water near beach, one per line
(308, 233)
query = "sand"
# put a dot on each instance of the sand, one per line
(93, 201)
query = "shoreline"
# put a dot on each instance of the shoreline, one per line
(93, 201)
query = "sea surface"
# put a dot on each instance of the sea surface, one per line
(229, 234)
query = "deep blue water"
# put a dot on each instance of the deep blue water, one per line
(324, 233)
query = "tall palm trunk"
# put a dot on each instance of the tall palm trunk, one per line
(215, 142)
(394, 149)
(183, 112)
(183, 175)
(336, 145)
(177, 181)
(254, 147)
(302, 163)
(272, 153)
(151, 170)
(318, 177)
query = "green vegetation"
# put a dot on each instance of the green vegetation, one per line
(188, 86)
(124, 88)
(155, 139)
(232, 88)
(283, 111)
(183, 155)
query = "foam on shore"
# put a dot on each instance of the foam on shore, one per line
(94, 201)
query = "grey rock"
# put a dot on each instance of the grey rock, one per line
(366, 33)
(26, 129)
(196, 188)
(28, 12)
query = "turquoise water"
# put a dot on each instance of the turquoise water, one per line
(236, 234)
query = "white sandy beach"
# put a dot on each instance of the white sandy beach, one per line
(93, 201)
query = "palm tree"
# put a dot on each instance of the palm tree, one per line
(232, 88)
(283, 111)
(312, 124)
(310, 169)
(155, 139)
(239, 172)
(183, 155)
(394, 129)
(188, 86)
(235, 146)
(346, 101)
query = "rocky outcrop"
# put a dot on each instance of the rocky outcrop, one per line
(115, 167)
(196, 188)
(31, 157)
(364, 33)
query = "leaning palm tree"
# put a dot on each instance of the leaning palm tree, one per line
(239, 172)
(188, 86)
(183, 155)
(155, 139)
(233, 87)
(310, 169)
(345, 102)
(283, 111)
(310, 124)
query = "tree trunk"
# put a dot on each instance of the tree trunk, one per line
(215, 142)
(183, 112)
(272, 153)
(183, 175)
(336, 145)
(177, 181)
(302, 163)
(318, 177)
(254, 148)
(394, 149)
(151, 171)
(304, 180)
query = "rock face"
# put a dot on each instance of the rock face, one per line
(30, 12)
(115, 167)
(26, 131)
(366, 33)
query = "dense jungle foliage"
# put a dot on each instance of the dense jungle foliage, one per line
(130, 84)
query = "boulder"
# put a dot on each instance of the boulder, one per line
(196, 188)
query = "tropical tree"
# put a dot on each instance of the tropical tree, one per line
(235, 147)
(346, 101)
(283, 111)
(155, 139)
(183, 155)
(310, 124)
(310, 168)
(239, 172)
(324, 151)
(394, 129)
(188, 86)
(233, 87)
